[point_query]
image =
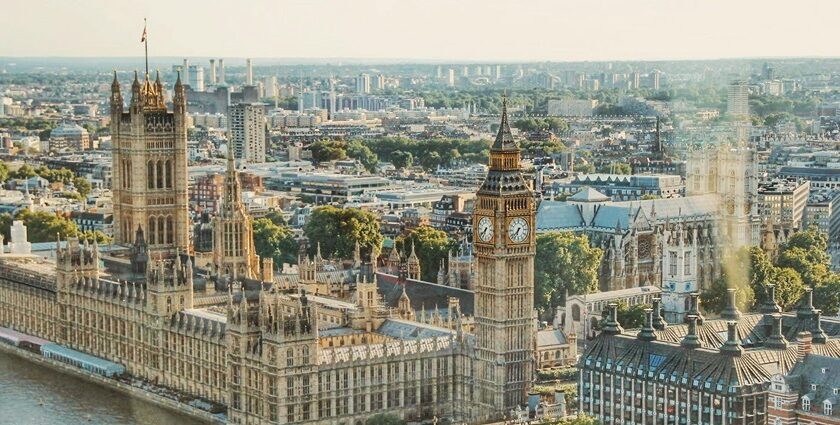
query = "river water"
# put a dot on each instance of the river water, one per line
(31, 394)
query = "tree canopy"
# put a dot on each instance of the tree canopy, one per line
(338, 229)
(275, 241)
(41, 226)
(564, 262)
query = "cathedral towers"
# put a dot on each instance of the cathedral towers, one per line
(505, 247)
(150, 166)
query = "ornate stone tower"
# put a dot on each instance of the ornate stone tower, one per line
(234, 254)
(150, 166)
(505, 246)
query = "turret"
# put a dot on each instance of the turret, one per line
(116, 100)
(179, 100)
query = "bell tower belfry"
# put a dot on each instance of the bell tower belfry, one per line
(505, 246)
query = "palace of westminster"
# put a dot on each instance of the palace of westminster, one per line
(322, 347)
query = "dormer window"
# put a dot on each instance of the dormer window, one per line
(836, 391)
(827, 407)
(806, 404)
(813, 387)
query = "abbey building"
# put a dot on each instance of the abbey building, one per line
(318, 347)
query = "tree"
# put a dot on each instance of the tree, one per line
(95, 235)
(628, 317)
(4, 172)
(24, 172)
(276, 217)
(714, 299)
(384, 419)
(274, 241)
(338, 229)
(827, 297)
(328, 150)
(565, 262)
(431, 246)
(363, 154)
(402, 159)
(41, 226)
(807, 252)
(584, 168)
(82, 186)
(577, 420)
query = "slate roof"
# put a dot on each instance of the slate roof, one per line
(559, 215)
(423, 295)
(550, 337)
(661, 361)
(822, 371)
(588, 194)
(405, 329)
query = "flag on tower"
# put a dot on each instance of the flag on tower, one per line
(143, 37)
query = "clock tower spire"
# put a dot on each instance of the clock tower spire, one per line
(505, 247)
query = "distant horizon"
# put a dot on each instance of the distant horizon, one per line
(438, 31)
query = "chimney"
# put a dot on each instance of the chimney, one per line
(659, 322)
(732, 346)
(691, 340)
(775, 339)
(249, 73)
(806, 305)
(731, 311)
(648, 332)
(612, 327)
(213, 71)
(695, 308)
(803, 345)
(818, 336)
(770, 306)
(186, 74)
(221, 71)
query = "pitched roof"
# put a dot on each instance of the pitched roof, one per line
(504, 138)
(588, 194)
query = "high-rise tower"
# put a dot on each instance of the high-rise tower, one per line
(150, 166)
(233, 240)
(505, 247)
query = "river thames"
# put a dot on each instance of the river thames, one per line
(31, 394)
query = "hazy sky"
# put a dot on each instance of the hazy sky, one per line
(556, 30)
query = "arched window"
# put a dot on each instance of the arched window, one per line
(161, 230)
(168, 174)
(169, 230)
(150, 175)
(159, 170)
(575, 312)
(827, 407)
(290, 357)
(305, 355)
(152, 228)
(806, 404)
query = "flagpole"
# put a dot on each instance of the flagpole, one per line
(146, 43)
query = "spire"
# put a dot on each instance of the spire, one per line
(504, 138)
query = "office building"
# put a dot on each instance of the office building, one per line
(247, 131)
(737, 102)
(363, 84)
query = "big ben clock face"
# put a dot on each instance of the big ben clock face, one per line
(485, 229)
(518, 229)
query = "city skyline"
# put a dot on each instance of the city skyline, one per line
(426, 31)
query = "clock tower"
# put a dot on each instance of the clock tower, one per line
(505, 246)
